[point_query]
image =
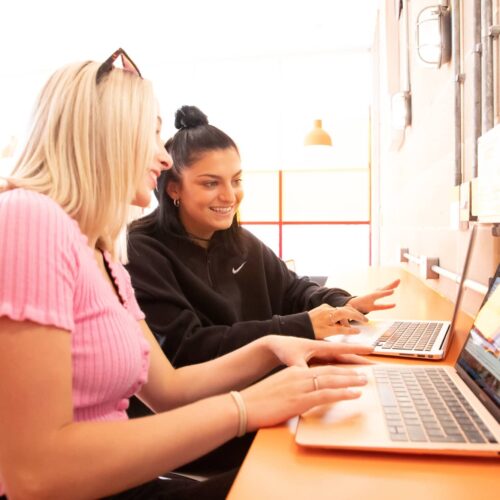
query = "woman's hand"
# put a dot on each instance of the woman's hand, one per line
(327, 320)
(295, 351)
(367, 303)
(295, 390)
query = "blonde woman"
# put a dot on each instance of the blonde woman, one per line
(73, 342)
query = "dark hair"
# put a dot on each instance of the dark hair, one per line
(194, 137)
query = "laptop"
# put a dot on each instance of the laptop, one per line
(421, 408)
(411, 338)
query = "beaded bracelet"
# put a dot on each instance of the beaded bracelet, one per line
(242, 411)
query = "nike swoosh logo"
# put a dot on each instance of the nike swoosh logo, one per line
(238, 269)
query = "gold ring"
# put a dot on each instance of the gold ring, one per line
(316, 383)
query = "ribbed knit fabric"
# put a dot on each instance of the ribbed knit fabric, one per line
(48, 275)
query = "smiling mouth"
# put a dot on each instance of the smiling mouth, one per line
(222, 210)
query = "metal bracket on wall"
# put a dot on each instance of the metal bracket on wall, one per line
(402, 254)
(427, 265)
(429, 269)
(407, 257)
(424, 264)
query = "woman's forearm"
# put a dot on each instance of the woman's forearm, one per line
(89, 460)
(169, 388)
(232, 371)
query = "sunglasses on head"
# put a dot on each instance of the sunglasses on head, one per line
(108, 64)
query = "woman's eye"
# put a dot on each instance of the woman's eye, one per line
(210, 184)
(237, 182)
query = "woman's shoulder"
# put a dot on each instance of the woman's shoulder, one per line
(248, 238)
(27, 200)
(25, 207)
(146, 244)
(147, 232)
(139, 235)
(252, 242)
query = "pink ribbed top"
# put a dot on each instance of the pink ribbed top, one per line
(48, 275)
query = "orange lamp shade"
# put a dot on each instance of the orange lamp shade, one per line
(317, 136)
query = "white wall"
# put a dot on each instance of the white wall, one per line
(416, 205)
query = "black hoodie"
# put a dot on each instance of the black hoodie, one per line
(201, 304)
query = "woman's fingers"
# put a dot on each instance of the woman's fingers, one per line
(383, 293)
(380, 307)
(319, 370)
(321, 382)
(328, 386)
(393, 284)
(380, 295)
(353, 359)
(328, 396)
(346, 313)
(295, 390)
(327, 320)
(334, 348)
(343, 330)
(330, 377)
(355, 315)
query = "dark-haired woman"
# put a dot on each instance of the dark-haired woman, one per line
(208, 286)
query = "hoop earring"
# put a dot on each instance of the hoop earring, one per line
(176, 202)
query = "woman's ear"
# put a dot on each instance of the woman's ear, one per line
(173, 190)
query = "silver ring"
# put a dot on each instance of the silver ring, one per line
(316, 383)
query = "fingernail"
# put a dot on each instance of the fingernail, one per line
(363, 379)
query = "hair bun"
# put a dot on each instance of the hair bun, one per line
(189, 117)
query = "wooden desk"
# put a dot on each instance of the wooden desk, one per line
(277, 468)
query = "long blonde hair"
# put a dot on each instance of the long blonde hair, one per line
(90, 146)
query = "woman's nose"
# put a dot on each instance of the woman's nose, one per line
(228, 194)
(166, 160)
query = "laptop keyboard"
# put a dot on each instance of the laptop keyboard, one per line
(424, 405)
(409, 336)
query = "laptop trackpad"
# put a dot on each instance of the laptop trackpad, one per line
(346, 424)
(368, 332)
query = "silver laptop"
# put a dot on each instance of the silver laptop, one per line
(421, 408)
(410, 338)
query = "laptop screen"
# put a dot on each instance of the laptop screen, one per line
(479, 361)
(465, 271)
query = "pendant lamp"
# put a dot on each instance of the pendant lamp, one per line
(317, 136)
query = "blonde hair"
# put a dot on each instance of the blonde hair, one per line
(90, 146)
